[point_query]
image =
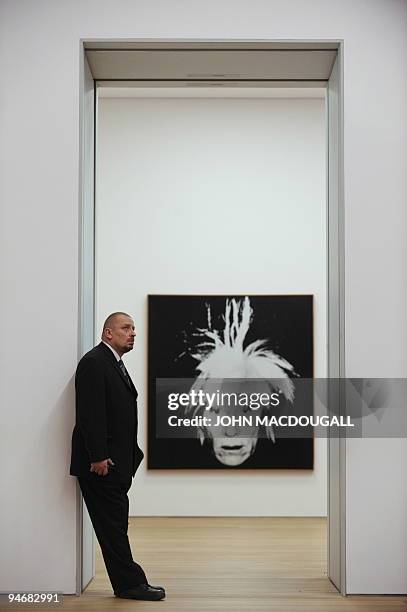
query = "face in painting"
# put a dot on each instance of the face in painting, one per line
(232, 444)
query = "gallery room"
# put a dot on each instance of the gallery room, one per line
(204, 232)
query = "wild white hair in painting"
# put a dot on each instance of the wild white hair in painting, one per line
(222, 355)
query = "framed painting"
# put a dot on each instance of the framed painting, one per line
(208, 357)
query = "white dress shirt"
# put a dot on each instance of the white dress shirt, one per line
(113, 351)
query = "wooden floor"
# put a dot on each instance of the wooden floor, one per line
(231, 565)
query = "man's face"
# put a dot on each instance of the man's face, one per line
(232, 445)
(121, 333)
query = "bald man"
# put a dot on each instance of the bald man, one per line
(105, 453)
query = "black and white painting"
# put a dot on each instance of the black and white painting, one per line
(197, 343)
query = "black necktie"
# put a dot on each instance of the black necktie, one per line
(124, 371)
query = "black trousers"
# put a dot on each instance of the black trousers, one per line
(108, 507)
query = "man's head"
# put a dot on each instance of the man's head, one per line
(232, 443)
(119, 332)
(222, 357)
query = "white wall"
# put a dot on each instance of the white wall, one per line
(39, 61)
(202, 196)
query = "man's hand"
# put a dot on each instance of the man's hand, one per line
(101, 467)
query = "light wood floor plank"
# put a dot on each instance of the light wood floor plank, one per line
(232, 565)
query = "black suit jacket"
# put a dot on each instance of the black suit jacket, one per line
(106, 417)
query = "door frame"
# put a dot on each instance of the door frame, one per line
(335, 281)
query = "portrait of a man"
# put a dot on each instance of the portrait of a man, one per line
(241, 356)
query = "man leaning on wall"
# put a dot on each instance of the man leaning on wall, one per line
(106, 455)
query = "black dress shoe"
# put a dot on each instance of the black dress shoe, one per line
(146, 592)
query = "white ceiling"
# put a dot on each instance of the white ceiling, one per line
(113, 91)
(199, 44)
(248, 63)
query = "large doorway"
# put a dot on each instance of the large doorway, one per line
(136, 124)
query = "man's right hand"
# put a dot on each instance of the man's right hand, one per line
(101, 467)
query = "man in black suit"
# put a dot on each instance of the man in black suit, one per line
(105, 453)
